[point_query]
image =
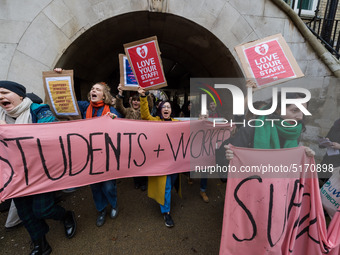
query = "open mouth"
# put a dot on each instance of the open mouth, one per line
(296, 122)
(5, 104)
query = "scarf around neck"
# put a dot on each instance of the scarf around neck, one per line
(268, 137)
(96, 106)
(21, 113)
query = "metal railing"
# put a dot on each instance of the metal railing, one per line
(326, 29)
(328, 32)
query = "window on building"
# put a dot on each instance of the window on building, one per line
(307, 6)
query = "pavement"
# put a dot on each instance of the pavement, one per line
(139, 227)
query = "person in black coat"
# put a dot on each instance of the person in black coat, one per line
(334, 137)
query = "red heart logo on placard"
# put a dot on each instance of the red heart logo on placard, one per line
(262, 49)
(142, 51)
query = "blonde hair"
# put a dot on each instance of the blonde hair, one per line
(107, 98)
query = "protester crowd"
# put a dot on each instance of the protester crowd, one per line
(32, 211)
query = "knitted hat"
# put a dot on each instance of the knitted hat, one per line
(14, 87)
(34, 98)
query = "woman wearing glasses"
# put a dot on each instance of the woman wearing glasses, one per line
(161, 195)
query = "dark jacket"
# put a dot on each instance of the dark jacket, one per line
(244, 137)
(334, 136)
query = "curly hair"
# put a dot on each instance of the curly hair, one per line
(107, 98)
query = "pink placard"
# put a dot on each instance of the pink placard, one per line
(268, 61)
(144, 57)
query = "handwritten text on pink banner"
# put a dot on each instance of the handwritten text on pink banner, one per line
(275, 215)
(37, 158)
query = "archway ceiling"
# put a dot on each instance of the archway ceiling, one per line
(188, 50)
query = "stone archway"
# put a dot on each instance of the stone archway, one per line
(46, 33)
(40, 36)
(188, 50)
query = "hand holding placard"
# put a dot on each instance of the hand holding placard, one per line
(141, 91)
(59, 90)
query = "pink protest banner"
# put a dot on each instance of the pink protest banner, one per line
(144, 58)
(269, 61)
(282, 215)
(38, 158)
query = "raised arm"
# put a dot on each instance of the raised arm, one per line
(144, 106)
(119, 102)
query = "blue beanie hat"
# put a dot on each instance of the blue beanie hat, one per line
(14, 87)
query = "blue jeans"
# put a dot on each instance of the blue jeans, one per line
(204, 183)
(170, 181)
(104, 193)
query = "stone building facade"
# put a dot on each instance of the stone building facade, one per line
(197, 39)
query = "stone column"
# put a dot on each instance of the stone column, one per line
(158, 5)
